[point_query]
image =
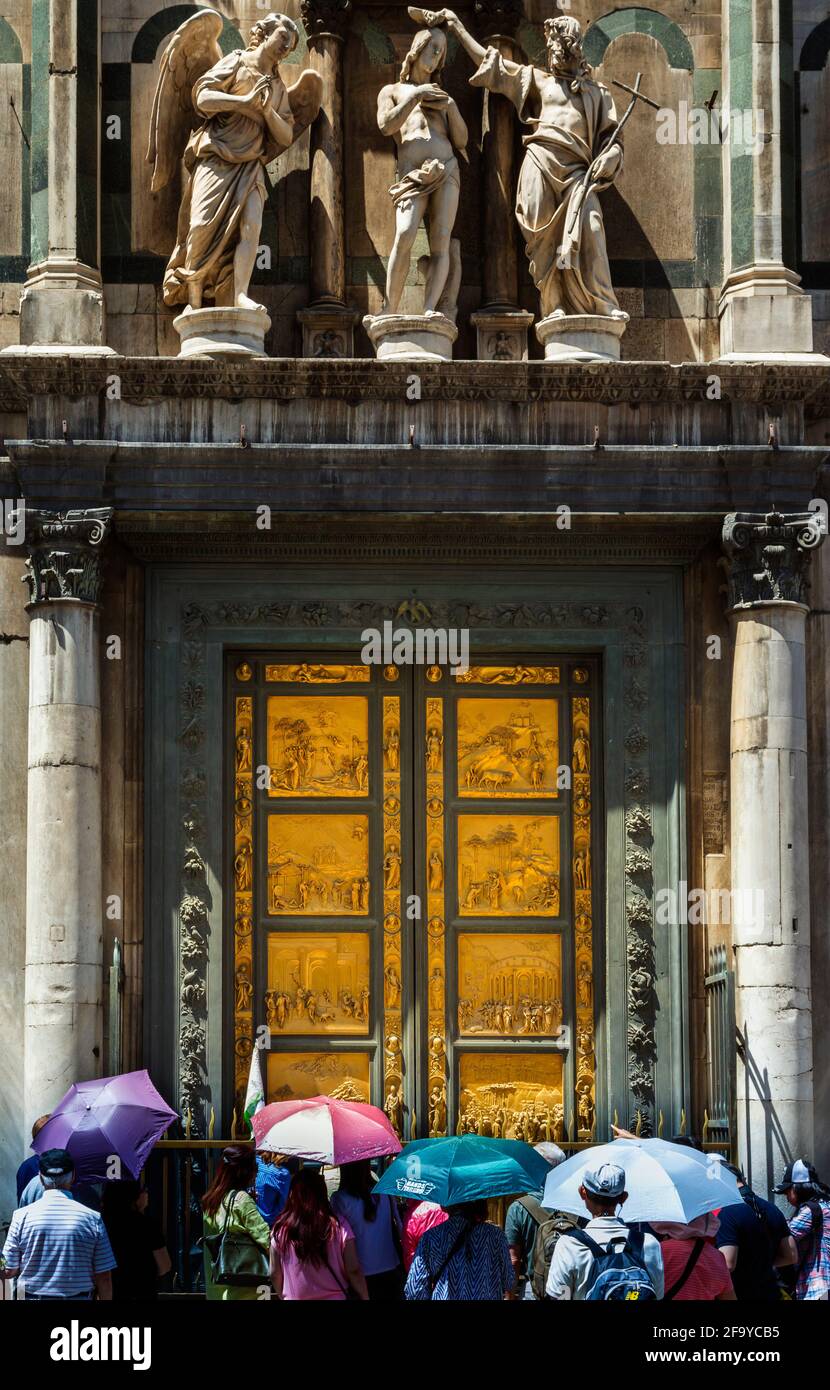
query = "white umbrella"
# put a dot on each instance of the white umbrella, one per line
(664, 1182)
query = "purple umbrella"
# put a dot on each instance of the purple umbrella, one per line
(96, 1121)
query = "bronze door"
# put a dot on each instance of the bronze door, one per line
(412, 913)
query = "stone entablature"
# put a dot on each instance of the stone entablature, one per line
(26, 376)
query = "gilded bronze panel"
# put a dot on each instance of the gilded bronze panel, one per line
(585, 1085)
(318, 745)
(509, 985)
(318, 982)
(312, 673)
(436, 916)
(512, 1095)
(507, 747)
(243, 891)
(318, 865)
(300, 1075)
(393, 1088)
(508, 866)
(509, 675)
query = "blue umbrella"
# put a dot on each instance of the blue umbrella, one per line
(665, 1182)
(463, 1168)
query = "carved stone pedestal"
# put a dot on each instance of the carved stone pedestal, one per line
(411, 337)
(581, 337)
(222, 332)
(501, 334)
(328, 330)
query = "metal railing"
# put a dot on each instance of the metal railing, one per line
(721, 1039)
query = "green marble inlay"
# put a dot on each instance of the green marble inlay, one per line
(87, 156)
(116, 202)
(150, 35)
(639, 21)
(741, 164)
(39, 159)
(10, 49)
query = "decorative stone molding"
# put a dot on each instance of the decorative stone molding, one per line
(64, 560)
(768, 556)
(149, 379)
(639, 874)
(329, 17)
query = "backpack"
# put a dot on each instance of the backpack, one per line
(618, 1272)
(550, 1225)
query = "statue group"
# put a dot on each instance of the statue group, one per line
(229, 116)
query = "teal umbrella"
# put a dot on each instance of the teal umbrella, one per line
(463, 1168)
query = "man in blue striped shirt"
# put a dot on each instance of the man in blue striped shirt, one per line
(58, 1248)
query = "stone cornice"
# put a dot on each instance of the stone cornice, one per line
(324, 477)
(64, 559)
(768, 556)
(143, 380)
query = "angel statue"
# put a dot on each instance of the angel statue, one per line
(229, 116)
(572, 150)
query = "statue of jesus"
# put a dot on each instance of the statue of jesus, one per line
(572, 130)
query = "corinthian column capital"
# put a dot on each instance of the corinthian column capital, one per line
(64, 559)
(768, 556)
(326, 17)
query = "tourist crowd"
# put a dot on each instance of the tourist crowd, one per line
(311, 1242)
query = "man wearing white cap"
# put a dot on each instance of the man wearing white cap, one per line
(572, 1268)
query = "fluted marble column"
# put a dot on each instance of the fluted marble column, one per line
(64, 967)
(501, 326)
(768, 559)
(328, 322)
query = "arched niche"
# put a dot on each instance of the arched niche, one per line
(813, 106)
(650, 213)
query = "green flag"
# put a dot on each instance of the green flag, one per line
(255, 1094)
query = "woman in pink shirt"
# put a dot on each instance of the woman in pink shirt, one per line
(313, 1255)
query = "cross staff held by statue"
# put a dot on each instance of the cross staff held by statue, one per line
(571, 236)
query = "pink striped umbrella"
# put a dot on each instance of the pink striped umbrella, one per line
(325, 1130)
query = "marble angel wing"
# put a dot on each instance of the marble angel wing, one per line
(192, 51)
(305, 99)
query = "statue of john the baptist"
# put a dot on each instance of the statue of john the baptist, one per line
(572, 121)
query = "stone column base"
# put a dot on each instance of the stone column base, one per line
(581, 337)
(765, 316)
(328, 330)
(501, 334)
(62, 310)
(411, 337)
(222, 332)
